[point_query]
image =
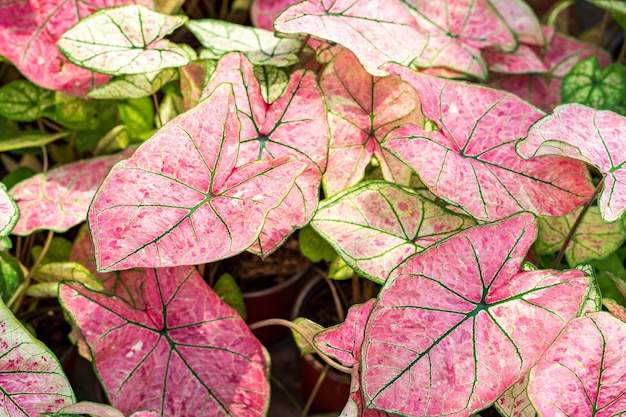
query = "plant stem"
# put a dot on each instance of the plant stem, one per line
(603, 25)
(316, 388)
(579, 219)
(286, 393)
(293, 326)
(156, 108)
(622, 52)
(554, 13)
(338, 306)
(16, 300)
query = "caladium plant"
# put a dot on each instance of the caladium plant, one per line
(340, 115)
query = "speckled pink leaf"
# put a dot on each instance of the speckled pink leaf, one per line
(59, 199)
(592, 136)
(263, 12)
(515, 402)
(31, 378)
(615, 308)
(471, 161)
(295, 124)
(458, 324)
(376, 31)
(92, 409)
(584, 370)
(376, 225)
(180, 200)
(523, 61)
(9, 212)
(362, 110)
(522, 20)
(457, 32)
(187, 353)
(29, 31)
(562, 54)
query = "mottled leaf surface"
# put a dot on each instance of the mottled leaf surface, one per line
(568, 132)
(376, 31)
(293, 125)
(134, 86)
(457, 31)
(593, 238)
(456, 325)
(584, 370)
(376, 225)
(9, 212)
(125, 40)
(471, 160)
(29, 31)
(31, 378)
(186, 353)
(588, 84)
(261, 46)
(59, 199)
(362, 110)
(180, 200)
(522, 20)
(24, 101)
(523, 61)
(515, 402)
(615, 308)
(263, 12)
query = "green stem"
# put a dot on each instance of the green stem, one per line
(579, 219)
(554, 13)
(293, 326)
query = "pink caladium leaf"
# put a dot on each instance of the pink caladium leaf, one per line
(522, 20)
(523, 61)
(615, 308)
(376, 31)
(29, 31)
(263, 12)
(436, 340)
(179, 200)
(457, 32)
(31, 378)
(98, 410)
(293, 125)
(362, 110)
(59, 199)
(471, 161)
(584, 370)
(376, 225)
(567, 132)
(562, 54)
(186, 353)
(9, 212)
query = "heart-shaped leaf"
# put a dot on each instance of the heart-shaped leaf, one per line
(567, 132)
(59, 199)
(523, 61)
(522, 20)
(186, 353)
(9, 212)
(294, 125)
(180, 200)
(376, 225)
(593, 238)
(24, 101)
(587, 84)
(376, 31)
(29, 32)
(362, 110)
(562, 54)
(263, 12)
(260, 46)
(584, 370)
(31, 378)
(458, 324)
(472, 162)
(134, 86)
(125, 40)
(457, 31)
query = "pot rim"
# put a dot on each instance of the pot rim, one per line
(276, 288)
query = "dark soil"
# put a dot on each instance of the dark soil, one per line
(253, 273)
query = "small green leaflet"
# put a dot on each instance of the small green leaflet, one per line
(272, 80)
(125, 40)
(587, 84)
(28, 139)
(24, 101)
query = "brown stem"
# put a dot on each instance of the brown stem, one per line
(285, 392)
(156, 108)
(622, 52)
(603, 25)
(316, 388)
(293, 326)
(579, 219)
